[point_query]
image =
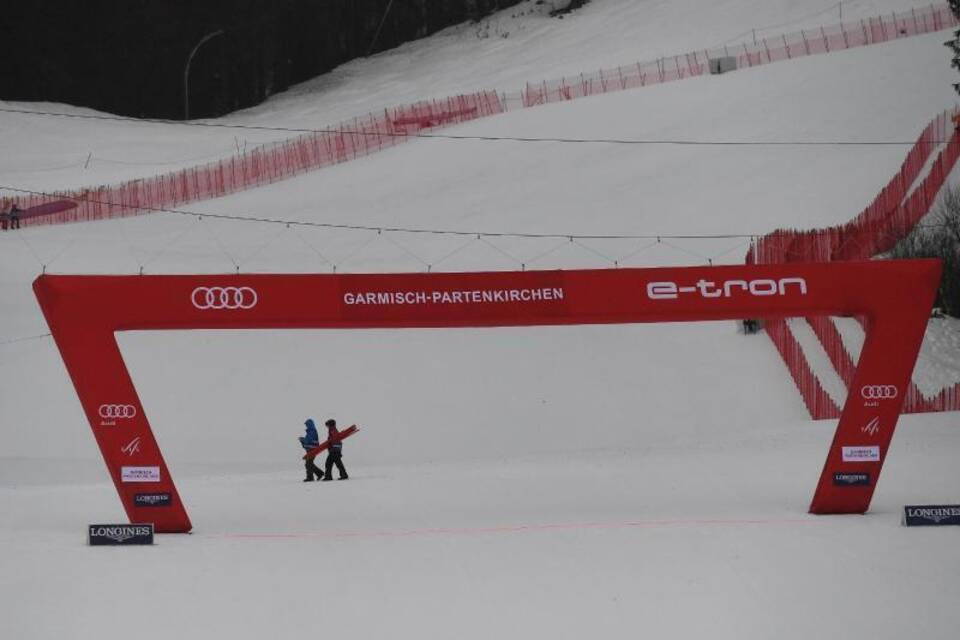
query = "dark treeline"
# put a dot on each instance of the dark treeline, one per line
(128, 56)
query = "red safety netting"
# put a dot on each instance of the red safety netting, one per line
(885, 221)
(268, 163)
(818, 401)
(762, 51)
(888, 219)
(376, 131)
(829, 337)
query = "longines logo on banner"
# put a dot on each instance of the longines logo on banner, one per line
(850, 479)
(931, 515)
(861, 454)
(140, 474)
(205, 298)
(727, 289)
(872, 427)
(116, 534)
(874, 393)
(152, 499)
(110, 413)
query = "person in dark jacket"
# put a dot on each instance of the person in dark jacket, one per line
(309, 441)
(14, 215)
(335, 452)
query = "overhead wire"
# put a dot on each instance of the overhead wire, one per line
(478, 234)
(803, 18)
(24, 339)
(482, 138)
(380, 228)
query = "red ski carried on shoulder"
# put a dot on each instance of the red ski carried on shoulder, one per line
(323, 446)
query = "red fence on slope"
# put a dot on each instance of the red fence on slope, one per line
(818, 401)
(889, 218)
(764, 51)
(829, 337)
(362, 136)
(269, 163)
(886, 220)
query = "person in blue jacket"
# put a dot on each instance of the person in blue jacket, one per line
(309, 441)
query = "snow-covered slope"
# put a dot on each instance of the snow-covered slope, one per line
(514, 482)
(539, 187)
(503, 52)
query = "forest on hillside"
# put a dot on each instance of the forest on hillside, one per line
(128, 57)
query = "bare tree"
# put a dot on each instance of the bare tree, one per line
(938, 236)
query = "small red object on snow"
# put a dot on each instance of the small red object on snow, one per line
(47, 208)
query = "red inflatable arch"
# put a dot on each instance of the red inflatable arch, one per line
(84, 312)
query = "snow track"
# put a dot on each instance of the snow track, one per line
(601, 481)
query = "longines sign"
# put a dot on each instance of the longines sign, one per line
(931, 515)
(117, 534)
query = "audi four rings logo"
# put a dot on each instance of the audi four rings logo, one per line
(117, 411)
(878, 392)
(224, 298)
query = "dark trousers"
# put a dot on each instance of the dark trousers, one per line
(313, 470)
(15, 223)
(335, 458)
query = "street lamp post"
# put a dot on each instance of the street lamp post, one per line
(186, 72)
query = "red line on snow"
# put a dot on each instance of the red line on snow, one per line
(526, 528)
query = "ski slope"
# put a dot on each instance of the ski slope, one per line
(502, 52)
(556, 482)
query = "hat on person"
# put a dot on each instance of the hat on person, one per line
(331, 422)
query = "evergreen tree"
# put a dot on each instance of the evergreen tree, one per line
(130, 57)
(955, 43)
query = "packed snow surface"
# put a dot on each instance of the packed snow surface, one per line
(566, 482)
